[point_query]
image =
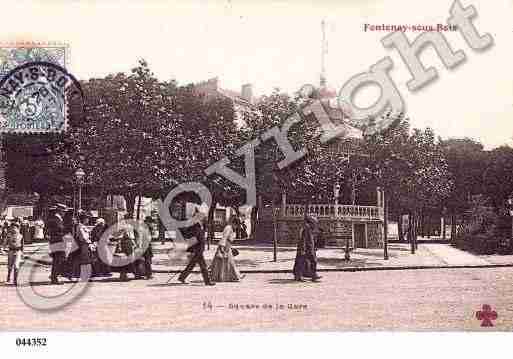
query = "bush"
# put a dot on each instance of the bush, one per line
(484, 231)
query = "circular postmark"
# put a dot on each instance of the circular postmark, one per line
(34, 98)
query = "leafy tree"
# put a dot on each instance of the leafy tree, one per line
(497, 178)
(411, 168)
(466, 160)
(140, 136)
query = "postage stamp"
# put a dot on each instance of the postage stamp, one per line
(34, 88)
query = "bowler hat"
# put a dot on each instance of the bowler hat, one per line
(82, 213)
(61, 206)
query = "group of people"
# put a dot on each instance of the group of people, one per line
(30, 229)
(63, 229)
(223, 267)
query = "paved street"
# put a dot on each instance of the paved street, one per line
(426, 299)
(260, 258)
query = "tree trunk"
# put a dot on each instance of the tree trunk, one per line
(254, 218)
(275, 235)
(385, 225)
(453, 229)
(453, 226)
(42, 205)
(400, 233)
(162, 228)
(210, 225)
(3, 199)
(416, 229)
(162, 231)
(422, 223)
(410, 232)
(183, 207)
(442, 225)
(130, 203)
(139, 207)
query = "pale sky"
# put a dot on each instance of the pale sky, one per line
(278, 44)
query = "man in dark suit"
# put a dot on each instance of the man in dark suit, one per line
(198, 232)
(55, 228)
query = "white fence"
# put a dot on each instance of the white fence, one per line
(335, 211)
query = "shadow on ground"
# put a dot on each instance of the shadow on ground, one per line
(374, 254)
(256, 263)
(339, 263)
(265, 249)
(252, 263)
(175, 284)
(283, 281)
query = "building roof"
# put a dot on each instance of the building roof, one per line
(211, 88)
(338, 115)
(235, 96)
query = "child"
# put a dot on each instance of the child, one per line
(15, 247)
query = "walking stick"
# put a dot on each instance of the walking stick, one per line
(171, 278)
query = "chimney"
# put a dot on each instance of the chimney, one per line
(207, 88)
(247, 92)
(212, 83)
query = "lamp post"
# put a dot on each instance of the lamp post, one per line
(385, 225)
(510, 210)
(79, 175)
(336, 192)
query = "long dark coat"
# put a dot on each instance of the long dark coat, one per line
(305, 254)
(55, 229)
(197, 231)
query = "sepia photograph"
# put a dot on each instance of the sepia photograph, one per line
(255, 166)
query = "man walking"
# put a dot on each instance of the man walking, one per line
(56, 233)
(198, 232)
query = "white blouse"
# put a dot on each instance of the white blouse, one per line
(38, 229)
(228, 235)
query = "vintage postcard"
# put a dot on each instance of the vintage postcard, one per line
(256, 166)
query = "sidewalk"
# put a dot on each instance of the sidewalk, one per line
(259, 258)
(452, 256)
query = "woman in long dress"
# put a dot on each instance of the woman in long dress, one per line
(39, 226)
(82, 255)
(100, 268)
(69, 223)
(223, 267)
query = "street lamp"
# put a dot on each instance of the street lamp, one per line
(336, 192)
(80, 174)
